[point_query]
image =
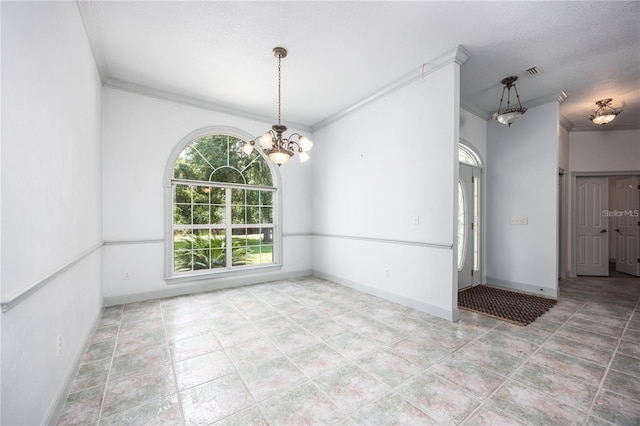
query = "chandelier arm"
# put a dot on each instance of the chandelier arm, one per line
(517, 96)
(501, 99)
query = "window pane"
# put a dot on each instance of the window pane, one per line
(182, 261)
(217, 196)
(182, 239)
(201, 214)
(266, 254)
(218, 258)
(253, 198)
(238, 215)
(201, 194)
(239, 256)
(253, 214)
(239, 238)
(201, 259)
(181, 194)
(258, 173)
(182, 214)
(237, 197)
(182, 248)
(226, 174)
(266, 215)
(266, 198)
(461, 226)
(217, 215)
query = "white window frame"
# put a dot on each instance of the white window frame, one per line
(171, 277)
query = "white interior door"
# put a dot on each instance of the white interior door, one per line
(591, 226)
(627, 220)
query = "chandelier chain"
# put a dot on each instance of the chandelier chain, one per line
(279, 84)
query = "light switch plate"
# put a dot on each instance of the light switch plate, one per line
(519, 220)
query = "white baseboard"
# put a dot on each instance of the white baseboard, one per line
(202, 286)
(406, 301)
(51, 417)
(551, 292)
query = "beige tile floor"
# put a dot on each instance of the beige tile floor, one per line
(308, 351)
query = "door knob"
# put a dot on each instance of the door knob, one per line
(604, 230)
(617, 230)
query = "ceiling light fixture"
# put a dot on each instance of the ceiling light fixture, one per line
(605, 113)
(509, 115)
(279, 148)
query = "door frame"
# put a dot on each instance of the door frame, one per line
(480, 278)
(634, 262)
(562, 223)
(572, 212)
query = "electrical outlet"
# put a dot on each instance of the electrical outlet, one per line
(416, 220)
(126, 275)
(386, 272)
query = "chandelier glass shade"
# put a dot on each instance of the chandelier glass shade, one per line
(278, 147)
(510, 114)
(605, 113)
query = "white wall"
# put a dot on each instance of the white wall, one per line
(473, 130)
(604, 153)
(51, 203)
(140, 133)
(608, 151)
(374, 173)
(522, 173)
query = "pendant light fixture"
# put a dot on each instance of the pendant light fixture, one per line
(509, 115)
(605, 113)
(277, 147)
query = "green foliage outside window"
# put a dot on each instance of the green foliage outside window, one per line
(202, 231)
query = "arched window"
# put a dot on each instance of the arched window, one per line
(224, 208)
(467, 155)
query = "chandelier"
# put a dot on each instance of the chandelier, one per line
(509, 115)
(279, 148)
(605, 113)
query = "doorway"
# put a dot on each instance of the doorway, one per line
(606, 224)
(592, 200)
(469, 215)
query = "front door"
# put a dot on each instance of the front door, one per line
(592, 224)
(468, 226)
(627, 221)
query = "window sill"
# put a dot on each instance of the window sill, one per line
(208, 275)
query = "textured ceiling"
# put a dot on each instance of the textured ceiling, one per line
(219, 53)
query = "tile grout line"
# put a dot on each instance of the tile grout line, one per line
(113, 355)
(510, 377)
(172, 366)
(615, 352)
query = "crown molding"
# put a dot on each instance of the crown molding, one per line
(472, 109)
(566, 123)
(609, 127)
(139, 89)
(458, 55)
(93, 35)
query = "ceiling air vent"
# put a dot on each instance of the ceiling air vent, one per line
(533, 71)
(562, 96)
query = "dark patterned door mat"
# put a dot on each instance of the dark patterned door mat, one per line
(516, 308)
